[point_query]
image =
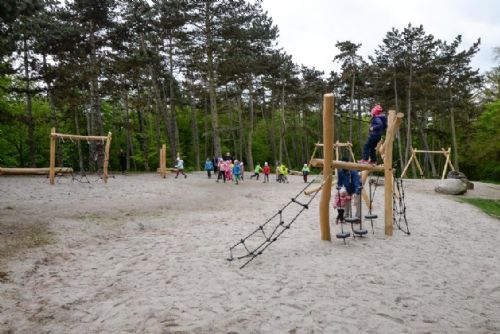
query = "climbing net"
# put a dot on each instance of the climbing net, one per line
(399, 207)
(255, 243)
(88, 168)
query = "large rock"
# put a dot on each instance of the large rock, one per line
(453, 174)
(451, 187)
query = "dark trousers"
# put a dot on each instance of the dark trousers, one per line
(305, 176)
(221, 175)
(266, 178)
(180, 171)
(209, 173)
(369, 148)
(255, 175)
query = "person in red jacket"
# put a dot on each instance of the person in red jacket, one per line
(267, 171)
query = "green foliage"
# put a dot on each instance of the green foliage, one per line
(488, 206)
(484, 146)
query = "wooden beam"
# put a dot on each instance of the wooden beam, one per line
(388, 176)
(408, 164)
(106, 157)
(34, 171)
(347, 165)
(326, 194)
(52, 157)
(77, 137)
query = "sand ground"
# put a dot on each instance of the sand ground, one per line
(145, 255)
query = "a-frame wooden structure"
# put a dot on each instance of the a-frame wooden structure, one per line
(446, 153)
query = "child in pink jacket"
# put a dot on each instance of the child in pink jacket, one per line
(342, 200)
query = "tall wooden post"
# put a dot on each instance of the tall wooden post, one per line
(388, 175)
(52, 155)
(163, 161)
(106, 157)
(324, 205)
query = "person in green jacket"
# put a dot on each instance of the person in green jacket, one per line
(305, 172)
(283, 171)
(256, 171)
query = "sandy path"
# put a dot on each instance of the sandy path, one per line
(142, 254)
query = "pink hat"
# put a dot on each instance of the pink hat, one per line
(377, 110)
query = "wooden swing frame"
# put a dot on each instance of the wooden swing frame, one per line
(446, 153)
(53, 139)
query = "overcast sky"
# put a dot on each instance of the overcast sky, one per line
(309, 29)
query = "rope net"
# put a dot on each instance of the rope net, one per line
(399, 207)
(255, 243)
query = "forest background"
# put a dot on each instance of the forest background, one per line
(207, 77)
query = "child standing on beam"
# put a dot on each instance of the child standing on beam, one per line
(377, 128)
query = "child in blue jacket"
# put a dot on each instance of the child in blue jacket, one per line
(377, 128)
(209, 167)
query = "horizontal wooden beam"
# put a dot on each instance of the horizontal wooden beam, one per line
(34, 171)
(335, 145)
(437, 152)
(78, 137)
(348, 165)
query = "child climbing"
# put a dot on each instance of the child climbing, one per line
(341, 202)
(267, 171)
(305, 172)
(351, 181)
(377, 128)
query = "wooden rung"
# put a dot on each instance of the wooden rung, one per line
(348, 165)
(77, 137)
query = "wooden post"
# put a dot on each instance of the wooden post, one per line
(366, 198)
(324, 205)
(52, 155)
(418, 164)
(447, 155)
(106, 157)
(388, 176)
(163, 161)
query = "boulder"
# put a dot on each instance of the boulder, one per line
(451, 187)
(453, 174)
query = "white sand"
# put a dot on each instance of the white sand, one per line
(142, 254)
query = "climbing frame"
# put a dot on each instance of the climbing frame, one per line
(394, 121)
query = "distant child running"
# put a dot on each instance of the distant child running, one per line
(305, 172)
(180, 167)
(222, 170)
(377, 128)
(256, 172)
(267, 171)
(236, 171)
(209, 167)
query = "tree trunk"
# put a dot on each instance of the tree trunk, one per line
(96, 148)
(454, 139)
(194, 130)
(351, 107)
(78, 143)
(130, 149)
(173, 114)
(271, 129)
(241, 127)
(143, 138)
(211, 81)
(249, 162)
(29, 110)
(398, 132)
(408, 124)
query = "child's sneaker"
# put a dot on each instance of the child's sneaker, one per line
(363, 161)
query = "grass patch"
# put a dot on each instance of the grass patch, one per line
(488, 206)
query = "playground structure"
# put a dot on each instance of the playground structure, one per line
(53, 139)
(446, 153)
(394, 121)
